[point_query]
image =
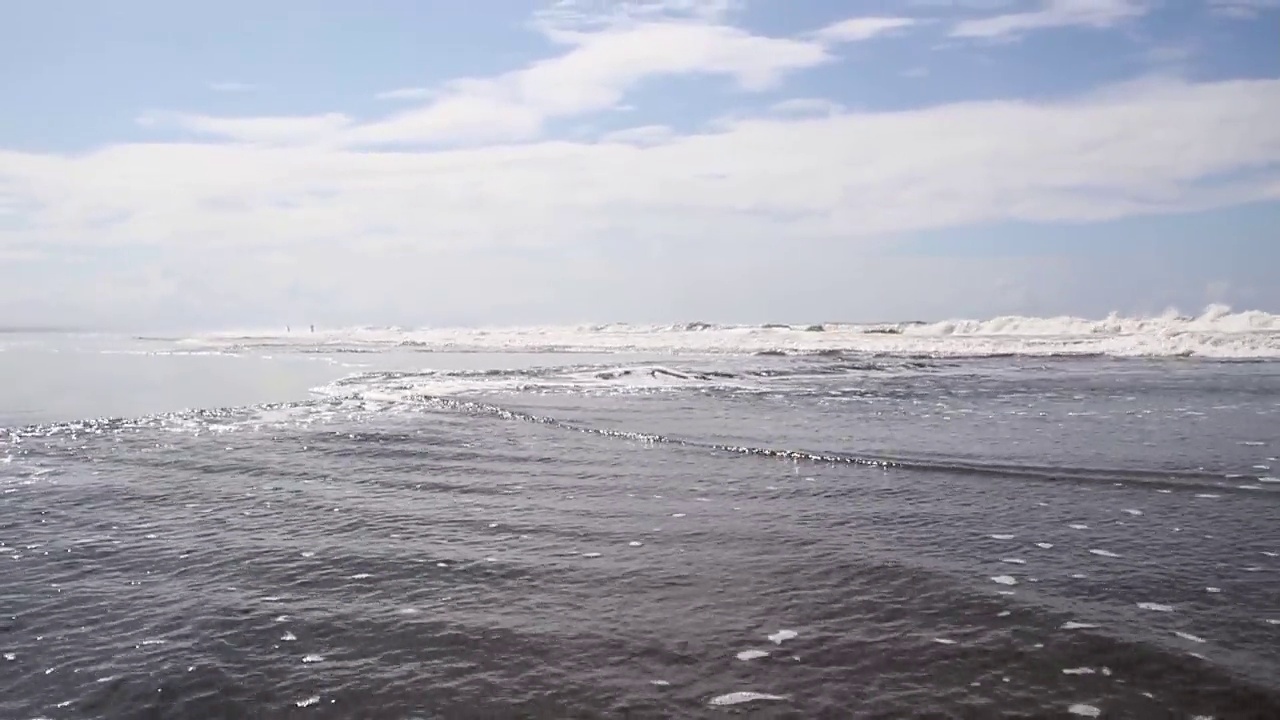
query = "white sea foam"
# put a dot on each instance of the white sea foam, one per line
(782, 636)
(1104, 553)
(745, 696)
(1156, 607)
(752, 654)
(1084, 711)
(1216, 332)
(1004, 580)
(1073, 625)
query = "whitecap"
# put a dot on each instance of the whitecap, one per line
(1013, 561)
(1004, 613)
(313, 659)
(288, 637)
(308, 702)
(783, 635)
(1084, 710)
(1131, 511)
(677, 515)
(10, 657)
(659, 683)
(635, 543)
(1044, 545)
(1073, 625)
(744, 696)
(361, 576)
(1213, 589)
(1207, 495)
(752, 654)
(1104, 553)
(1078, 526)
(591, 555)
(1273, 621)
(1004, 580)
(1078, 671)
(1157, 607)
(1002, 537)
(1188, 636)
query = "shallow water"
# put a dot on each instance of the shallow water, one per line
(840, 536)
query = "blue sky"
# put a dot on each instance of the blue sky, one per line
(435, 162)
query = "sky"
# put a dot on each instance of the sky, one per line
(438, 162)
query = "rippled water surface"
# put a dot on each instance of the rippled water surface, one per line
(808, 537)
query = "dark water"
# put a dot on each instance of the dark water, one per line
(991, 538)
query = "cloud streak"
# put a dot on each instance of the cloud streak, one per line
(1053, 14)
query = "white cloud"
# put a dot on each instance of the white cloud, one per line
(1054, 14)
(642, 135)
(284, 130)
(1243, 9)
(848, 177)
(231, 87)
(862, 28)
(593, 75)
(411, 93)
(806, 106)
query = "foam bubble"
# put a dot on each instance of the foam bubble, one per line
(783, 635)
(745, 696)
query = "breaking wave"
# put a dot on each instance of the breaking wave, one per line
(1218, 332)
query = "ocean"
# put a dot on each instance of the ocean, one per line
(1010, 518)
